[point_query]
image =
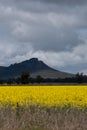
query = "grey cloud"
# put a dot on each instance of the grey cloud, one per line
(53, 39)
(45, 5)
(43, 32)
(79, 2)
(46, 37)
(48, 1)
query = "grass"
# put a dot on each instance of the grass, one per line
(35, 118)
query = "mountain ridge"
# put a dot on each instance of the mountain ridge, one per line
(34, 67)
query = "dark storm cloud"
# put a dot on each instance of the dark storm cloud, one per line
(49, 5)
(49, 38)
(69, 2)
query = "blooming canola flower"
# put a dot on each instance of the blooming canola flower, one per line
(44, 95)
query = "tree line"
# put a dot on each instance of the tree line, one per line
(25, 78)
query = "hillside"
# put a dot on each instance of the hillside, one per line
(34, 67)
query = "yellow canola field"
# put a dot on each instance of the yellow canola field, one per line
(44, 95)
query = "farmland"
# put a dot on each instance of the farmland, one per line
(44, 95)
(43, 107)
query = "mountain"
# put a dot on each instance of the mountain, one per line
(34, 67)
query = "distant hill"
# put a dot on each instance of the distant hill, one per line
(34, 67)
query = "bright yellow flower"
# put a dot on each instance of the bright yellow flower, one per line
(75, 96)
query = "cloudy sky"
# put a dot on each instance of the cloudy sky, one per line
(54, 31)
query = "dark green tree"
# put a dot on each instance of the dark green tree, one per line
(79, 77)
(25, 77)
(39, 79)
